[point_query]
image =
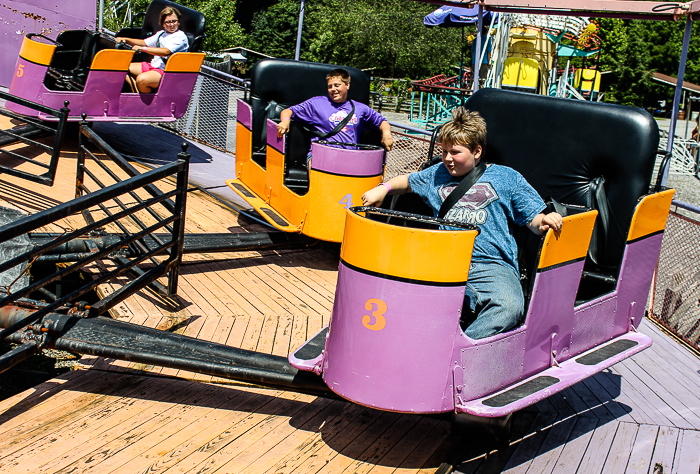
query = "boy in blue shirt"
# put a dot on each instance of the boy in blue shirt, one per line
(500, 198)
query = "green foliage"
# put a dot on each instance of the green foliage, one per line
(631, 48)
(388, 37)
(633, 79)
(613, 35)
(274, 30)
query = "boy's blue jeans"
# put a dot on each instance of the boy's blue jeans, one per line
(495, 295)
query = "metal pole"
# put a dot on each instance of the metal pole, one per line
(477, 55)
(299, 29)
(677, 95)
(102, 11)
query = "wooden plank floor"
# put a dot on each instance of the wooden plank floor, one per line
(116, 417)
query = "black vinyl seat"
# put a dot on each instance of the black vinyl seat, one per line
(71, 61)
(566, 149)
(192, 23)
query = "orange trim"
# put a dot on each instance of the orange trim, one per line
(571, 243)
(112, 60)
(328, 198)
(651, 214)
(404, 252)
(39, 53)
(184, 62)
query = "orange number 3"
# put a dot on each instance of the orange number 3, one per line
(378, 313)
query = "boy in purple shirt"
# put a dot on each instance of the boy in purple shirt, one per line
(325, 113)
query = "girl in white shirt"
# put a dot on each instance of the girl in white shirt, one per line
(145, 77)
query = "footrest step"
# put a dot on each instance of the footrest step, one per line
(309, 356)
(555, 379)
(263, 208)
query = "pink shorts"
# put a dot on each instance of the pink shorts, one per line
(145, 67)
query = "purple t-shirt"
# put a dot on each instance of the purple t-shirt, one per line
(325, 115)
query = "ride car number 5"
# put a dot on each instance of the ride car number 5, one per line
(378, 308)
(20, 70)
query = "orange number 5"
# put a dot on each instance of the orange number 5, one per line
(20, 70)
(378, 313)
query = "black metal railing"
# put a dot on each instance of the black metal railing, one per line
(145, 243)
(28, 131)
(170, 215)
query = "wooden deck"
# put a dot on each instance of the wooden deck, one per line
(118, 417)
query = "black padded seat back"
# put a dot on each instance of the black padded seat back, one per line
(71, 61)
(277, 84)
(192, 22)
(561, 146)
(76, 47)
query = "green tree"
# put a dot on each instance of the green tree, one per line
(633, 79)
(388, 36)
(274, 30)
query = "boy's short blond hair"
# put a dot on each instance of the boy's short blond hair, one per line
(341, 73)
(466, 129)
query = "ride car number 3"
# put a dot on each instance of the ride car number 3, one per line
(378, 308)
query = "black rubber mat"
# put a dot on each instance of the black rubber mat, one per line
(521, 391)
(312, 348)
(599, 355)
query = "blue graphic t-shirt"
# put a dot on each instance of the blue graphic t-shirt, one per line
(325, 115)
(501, 198)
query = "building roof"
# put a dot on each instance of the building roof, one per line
(671, 81)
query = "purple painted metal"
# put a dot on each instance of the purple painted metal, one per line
(593, 323)
(37, 16)
(272, 139)
(421, 361)
(549, 318)
(569, 373)
(244, 114)
(677, 95)
(479, 38)
(102, 97)
(170, 101)
(400, 360)
(352, 163)
(638, 266)
(489, 364)
(25, 86)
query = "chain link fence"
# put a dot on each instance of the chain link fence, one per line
(675, 300)
(211, 114)
(409, 152)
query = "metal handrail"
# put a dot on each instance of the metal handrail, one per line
(35, 127)
(172, 247)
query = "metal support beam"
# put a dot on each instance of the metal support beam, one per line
(302, 7)
(677, 95)
(77, 249)
(476, 52)
(106, 337)
(17, 355)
